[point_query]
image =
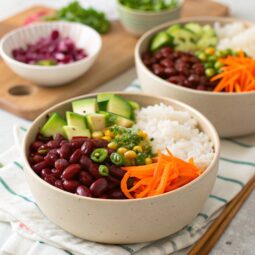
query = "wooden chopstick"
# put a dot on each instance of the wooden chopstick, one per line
(209, 239)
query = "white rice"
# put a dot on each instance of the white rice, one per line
(176, 130)
(236, 36)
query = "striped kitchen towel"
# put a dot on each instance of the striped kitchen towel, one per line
(31, 233)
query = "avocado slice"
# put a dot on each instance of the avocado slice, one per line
(85, 106)
(75, 119)
(71, 131)
(119, 106)
(53, 126)
(114, 119)
(102, 100)
(135, 106)
(161, 39)
(195, 28)
(123, 122)
(96, 121)
(110, 118)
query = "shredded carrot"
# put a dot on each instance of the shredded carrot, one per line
(237, 74)
(168, 173)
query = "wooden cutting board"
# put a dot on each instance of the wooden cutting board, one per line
(28, 100)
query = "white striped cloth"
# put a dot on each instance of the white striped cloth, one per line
(24, 230)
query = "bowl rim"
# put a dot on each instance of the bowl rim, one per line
(156, 29)
(150, 13)
(5, 56)
(213, 136)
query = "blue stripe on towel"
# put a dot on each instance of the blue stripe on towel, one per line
(223, 200)
(238, 161)
(5, 185)
(230, 180)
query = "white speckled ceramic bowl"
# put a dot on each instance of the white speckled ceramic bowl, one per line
(84, 37)
(232, 114)
(138, 22)
(123, 221)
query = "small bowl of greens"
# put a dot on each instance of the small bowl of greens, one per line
(140, 16)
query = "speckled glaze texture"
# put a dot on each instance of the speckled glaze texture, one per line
(123, 221)
(138, 22)
(83, 36)
(231, 113)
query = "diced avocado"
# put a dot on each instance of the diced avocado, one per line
(102, 100)
(206, 42)
(114, 119)
(103, 97)
(53, 126)
(194, 27)
(75, 119)
(208, 31)
(183, 35)
(173, 28)
(96, 121)
(124, 122)
(119, 106)
(135, 106)
(186, 46)
(110, 118)
(71, 131)
(161, 39)
(85, 106)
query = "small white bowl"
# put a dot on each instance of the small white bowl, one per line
(83, 36)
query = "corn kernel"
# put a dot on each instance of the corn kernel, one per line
(108, 132)
(142, 134)
(138, 148)
(210, 51)
(148, 161)
(97, 134)
(130, 154)
(107, 138)
(122, 150)
(112, 145)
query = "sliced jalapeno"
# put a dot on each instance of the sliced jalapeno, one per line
(103, 170)
(99, 155)
(117, 159)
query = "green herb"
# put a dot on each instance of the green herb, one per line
(76, 13)
(140, 159)
(125, 137)
(129, 138)
(150, 5)
(99, 155)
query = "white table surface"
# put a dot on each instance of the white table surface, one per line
(239, 238)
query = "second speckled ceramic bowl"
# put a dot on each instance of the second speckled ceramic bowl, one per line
(123, 221)
(231, 113)
(138, 22)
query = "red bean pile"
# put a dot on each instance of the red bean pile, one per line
(177, 67)
(55, 48)
(67, 166)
